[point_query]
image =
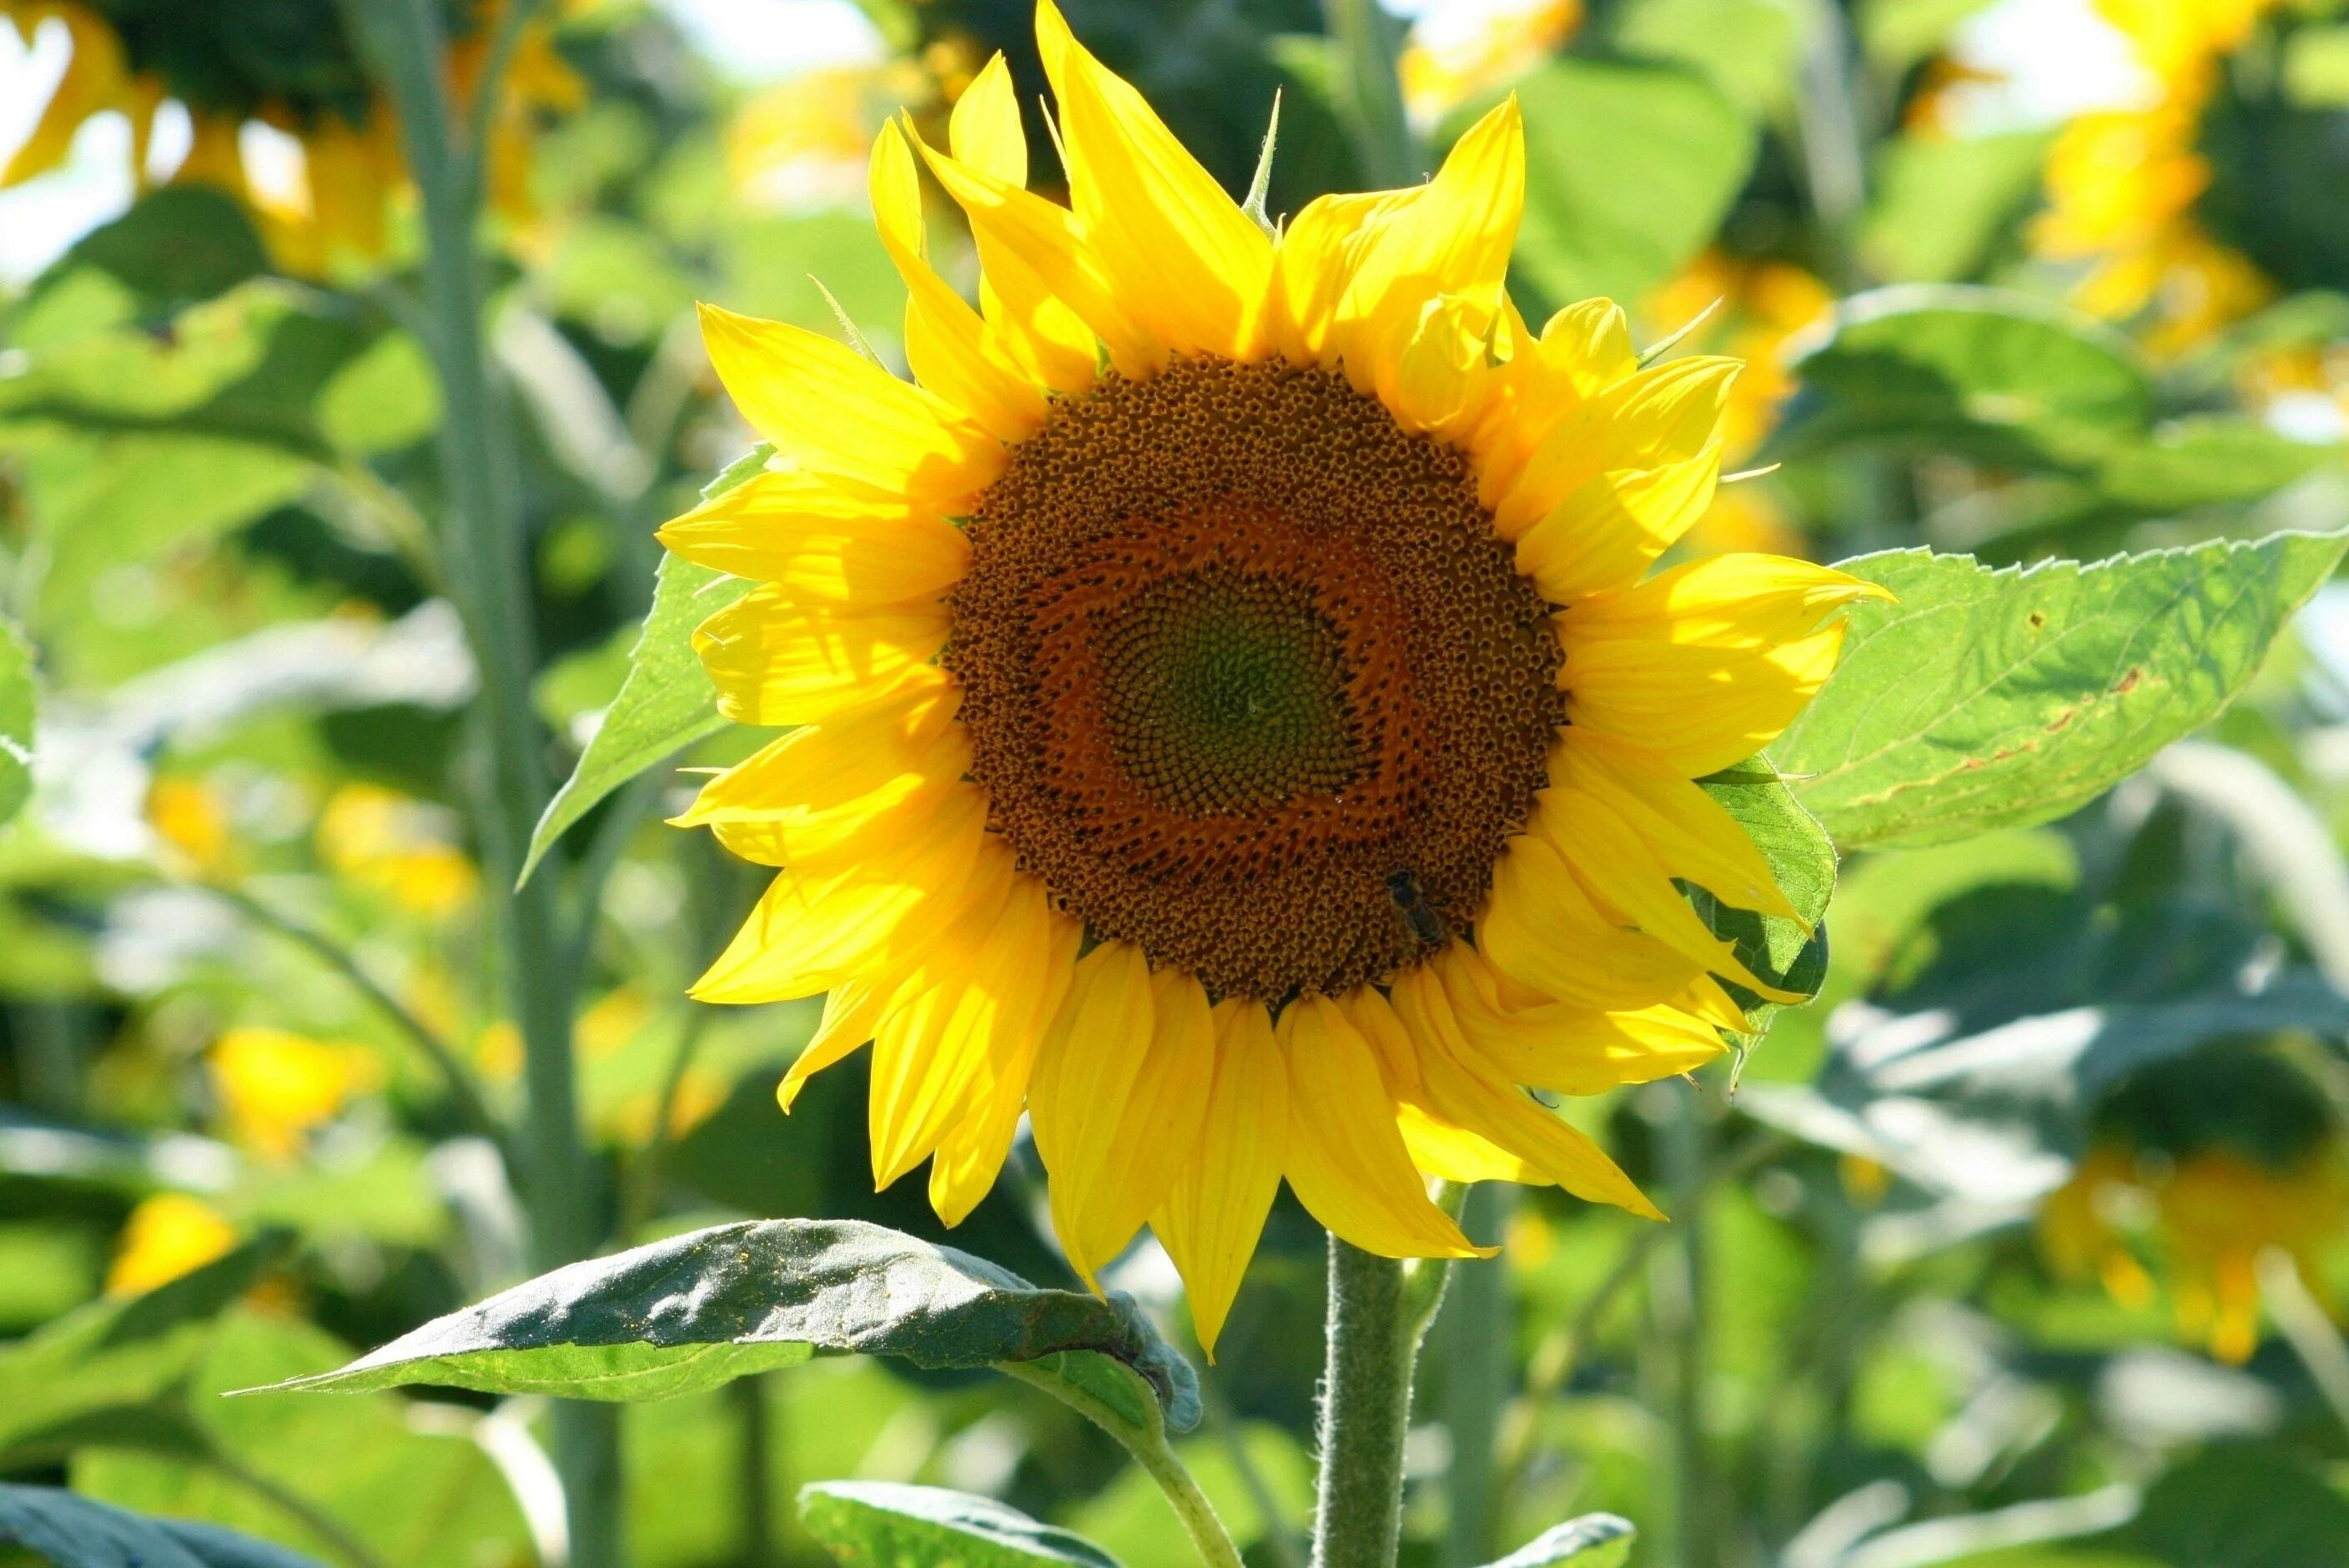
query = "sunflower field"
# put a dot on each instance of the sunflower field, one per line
(1141, 783)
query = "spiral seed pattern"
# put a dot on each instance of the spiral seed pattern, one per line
(1236, 650)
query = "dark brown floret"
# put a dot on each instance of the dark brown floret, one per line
(1241, 657)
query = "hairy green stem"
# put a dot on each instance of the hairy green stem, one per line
(487, 567)
(1372, 1343)
(1148, 1445)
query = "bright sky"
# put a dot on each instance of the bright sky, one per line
(2057, 56)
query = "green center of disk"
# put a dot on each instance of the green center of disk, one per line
(1224, 693)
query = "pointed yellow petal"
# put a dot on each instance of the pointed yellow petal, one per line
(1312, 266)
(1346, 1160)
(803, 531)
(1585, 349)
(1187, 262)
(1439, 1149)
(1615, 525)
(828, 409)
(1692, 835)
(1118, 1099)
(849, 1012)
(946, 343)
(777, 660)
(1215, 1212)
(1541, 930)
(972, 1153)
(1663, 415)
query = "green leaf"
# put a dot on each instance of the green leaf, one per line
(2243, 1507)
(1593, 1541)
(1942, 207)
(881, 1524)
(75, 1533)
(177, 245)
(2000, 377)
(1629, 169)
(1804, 861)
(702, 1308)
(1986, 699)
(666, 702)
(16, 721)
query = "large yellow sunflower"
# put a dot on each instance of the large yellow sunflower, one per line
(1236, 725)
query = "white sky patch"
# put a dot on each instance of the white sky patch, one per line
(2058, 58)
(762, 40)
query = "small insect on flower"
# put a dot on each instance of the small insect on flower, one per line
(1417, 914)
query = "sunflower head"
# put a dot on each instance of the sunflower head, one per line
(1237, 725)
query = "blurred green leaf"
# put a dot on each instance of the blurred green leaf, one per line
(885, 1525)
(2243, 1508)
(1594, 1540)
(75, 1533)
(1804, 863)
(1942, 206)
(711, 1306)
(1897, 34)
(666, 702)
(1629, 169)
(16, 721)
(2000, 377)
(1745, 47)
(175, 246)
(1984, 699)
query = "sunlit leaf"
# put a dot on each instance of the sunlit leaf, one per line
(1984, 699)
(75, 1533)
(1593, 1541)
(706, 1307)
(880, 1522)
(1804, 863)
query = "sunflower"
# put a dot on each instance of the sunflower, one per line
(2123, 184)
(1237, 723)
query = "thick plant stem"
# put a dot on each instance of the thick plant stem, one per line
(1365, 1410)
(485, 558)
(1473, 1337)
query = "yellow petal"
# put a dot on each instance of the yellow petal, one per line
(1615, 525)
(826, 408)
(1346, 1160)
(849, 1013)
(1439, 1149)
(946, 343)
(777, 660)
(972, 1153)
(1556, 1047)
(803, 531)
(1312, 266)
(1436, 380)
(1583, 350)
(1215, 1212)
(812, 932)
(1187, 262)
(1692, 835)
(1665, 414)
(1465, 1089)
(97, 78)
(1120, 1092)
(1541, 930)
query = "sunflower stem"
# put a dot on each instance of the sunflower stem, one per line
(1374, 1343)
(1473, 1348)
(485, 563)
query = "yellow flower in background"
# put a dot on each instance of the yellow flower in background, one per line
(398, 846)
(2122, 183)
(1462, 49)
(192, 823)
(275, 1086)
(167, 1235)
(1237, 723)
(804, 143)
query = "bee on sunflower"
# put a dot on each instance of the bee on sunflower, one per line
(2203, 1165)
(1237, 725)
(298, 75)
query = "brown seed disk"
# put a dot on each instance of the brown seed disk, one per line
(1235, 650)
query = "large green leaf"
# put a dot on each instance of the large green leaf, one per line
(2247, 1507)
(75, 1533)
(1628, 168)
(880, 1524)
(15, 720)
(1804, 861)
(666, 703)
(2001, 377)
(711, 1306)
(1984, 699)
(1593, 1541)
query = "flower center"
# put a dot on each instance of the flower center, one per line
(1249, 680)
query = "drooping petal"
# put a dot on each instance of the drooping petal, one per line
(778, 660)
(1553, 1046)
(946, 343)
(1439, 1149)
(1215, 1212)
(1118, 1097)
(1190, 265)
(804, 532)
(1346, 1160)
(1541, 930)
(1703, 665)
(1692, 835)
(827, 410)
(849, 1013)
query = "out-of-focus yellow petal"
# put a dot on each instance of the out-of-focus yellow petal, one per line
(1439, 1149)
(1120, 1092)
(810, 933)
(167, 1235)
(947, 342)
(826, 408)
(1187, 262)
(778, 660)
(1692, 835)
(1703, 665)
(1541, 930)
(1346, 1159)
(1615, 525)
(804, 532)
(1215, 1212)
